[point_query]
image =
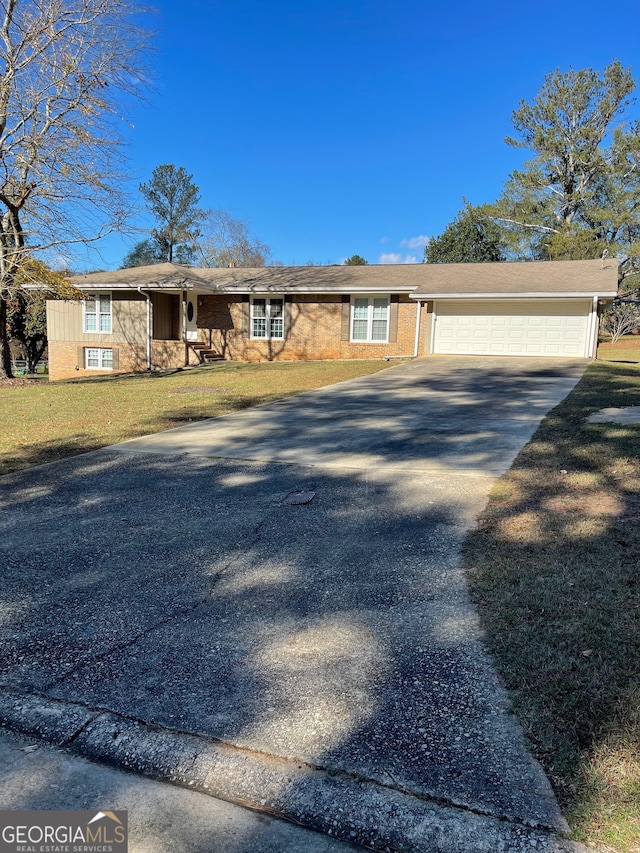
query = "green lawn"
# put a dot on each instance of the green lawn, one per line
(44, 421)
(627, 349)
(554, 567)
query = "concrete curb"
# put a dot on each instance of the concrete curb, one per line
(345, 807)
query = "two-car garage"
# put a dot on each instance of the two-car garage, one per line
(534, 308)
(533, 327)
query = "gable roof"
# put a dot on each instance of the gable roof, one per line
(421, 281)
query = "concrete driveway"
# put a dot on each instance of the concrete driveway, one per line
(167, 605)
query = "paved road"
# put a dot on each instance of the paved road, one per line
(164, 608)
(162, 818)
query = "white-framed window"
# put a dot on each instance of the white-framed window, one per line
(267, 317)
(96, 310)
(98, 359)
(370, 319)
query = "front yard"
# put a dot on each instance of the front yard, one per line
(554, 567)
(41, 421)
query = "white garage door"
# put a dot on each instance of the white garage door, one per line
(514, 327)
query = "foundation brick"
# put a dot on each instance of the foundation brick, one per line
(64, 361)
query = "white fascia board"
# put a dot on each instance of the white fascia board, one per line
(605, 294)
(222, 290)
(313, 291)
(134, 287)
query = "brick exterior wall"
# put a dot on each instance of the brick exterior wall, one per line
(315, 333)
(64, 362)
(316, 323)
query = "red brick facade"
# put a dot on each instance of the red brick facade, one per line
(316, 331)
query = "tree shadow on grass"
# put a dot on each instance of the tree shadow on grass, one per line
(43, 452)
(553, 567)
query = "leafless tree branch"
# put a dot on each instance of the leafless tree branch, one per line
(69, 71)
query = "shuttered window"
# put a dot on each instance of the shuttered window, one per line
(98, 359)
(370, 319)
(267, 318)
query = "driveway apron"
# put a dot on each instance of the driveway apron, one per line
(284, 583)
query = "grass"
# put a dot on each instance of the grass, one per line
(554, 568)
(42, 422)
(627, 349)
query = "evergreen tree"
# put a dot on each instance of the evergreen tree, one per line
(580, 194)
(173, 199)
(470, 238)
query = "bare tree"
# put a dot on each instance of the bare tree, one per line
(620, 320)
(225, 241)
(68, 72)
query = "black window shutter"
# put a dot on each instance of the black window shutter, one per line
(393, 318)
(288, 300)
(345, 331)
(246, 316)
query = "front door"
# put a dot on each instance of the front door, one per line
(192, 317)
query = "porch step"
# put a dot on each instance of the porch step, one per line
(205, 353)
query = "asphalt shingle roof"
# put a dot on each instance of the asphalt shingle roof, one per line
(423, 281)
(536, 277)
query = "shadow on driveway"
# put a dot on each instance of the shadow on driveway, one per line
(177, 589)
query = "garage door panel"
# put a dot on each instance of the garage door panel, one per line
(512, 327)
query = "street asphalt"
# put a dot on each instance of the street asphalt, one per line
(162, 818)
(269, 608)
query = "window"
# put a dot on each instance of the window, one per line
(267, 318)
(98, 359)
(97, 313)
(370, 319)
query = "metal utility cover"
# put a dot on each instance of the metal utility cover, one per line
(298, 498)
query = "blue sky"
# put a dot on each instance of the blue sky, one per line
(349, 127)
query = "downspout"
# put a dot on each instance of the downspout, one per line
(185, 299)
(418, 316)
(417, 341)
(434, 320)
(148, 296)
(593, 329)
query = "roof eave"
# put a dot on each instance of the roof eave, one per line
(513, 294)
(319, 291)
(176, 288)
(231, 289)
